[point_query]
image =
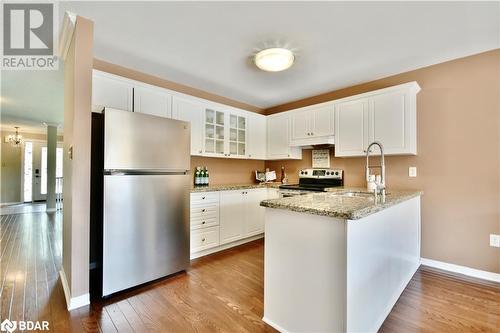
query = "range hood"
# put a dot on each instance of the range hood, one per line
(313, 141)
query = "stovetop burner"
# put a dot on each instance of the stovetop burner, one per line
(317, 180)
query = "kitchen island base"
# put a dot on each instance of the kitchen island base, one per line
(325, 274)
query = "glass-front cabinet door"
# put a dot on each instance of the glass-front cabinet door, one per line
(237, 135)
(214, 132)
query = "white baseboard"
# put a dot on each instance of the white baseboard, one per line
(273, 325)
(11, 203)
(75, 302)
(476, 273)
(225, 246)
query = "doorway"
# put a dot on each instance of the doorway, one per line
(35, 170)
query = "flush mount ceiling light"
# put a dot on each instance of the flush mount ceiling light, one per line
(274, 60)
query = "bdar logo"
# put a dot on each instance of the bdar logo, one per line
(28, 29)
(8, 326)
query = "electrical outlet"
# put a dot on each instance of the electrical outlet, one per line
(494, 240)
(412, 172)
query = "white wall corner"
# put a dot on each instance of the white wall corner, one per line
(75, 302)
(464, 270)
(66, 34)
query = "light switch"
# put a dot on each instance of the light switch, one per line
(494, 240)
(412, 172)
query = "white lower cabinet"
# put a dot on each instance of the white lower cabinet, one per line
(203, 239)
(219, 219)
(232, 207)
(254, 214)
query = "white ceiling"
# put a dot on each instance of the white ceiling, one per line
(337, 44)
(30, 98)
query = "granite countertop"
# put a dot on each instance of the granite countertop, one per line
(231, 187)
(333, 204)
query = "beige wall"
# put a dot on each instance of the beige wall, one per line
(77, 135)
(458, 116)
(224, 171)
(11, 164)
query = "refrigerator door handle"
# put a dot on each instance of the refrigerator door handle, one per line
(115, 172)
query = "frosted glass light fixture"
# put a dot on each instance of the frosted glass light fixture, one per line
(274, 59)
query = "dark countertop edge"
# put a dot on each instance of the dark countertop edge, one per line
(355, 215)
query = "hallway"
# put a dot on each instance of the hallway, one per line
(31, 252)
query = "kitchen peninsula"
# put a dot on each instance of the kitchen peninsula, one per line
(338, 261)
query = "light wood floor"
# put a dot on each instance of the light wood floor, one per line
(220, 293)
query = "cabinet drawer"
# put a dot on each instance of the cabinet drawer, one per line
(204, 239)
(204, 212)
(204, 197)
(199, 223)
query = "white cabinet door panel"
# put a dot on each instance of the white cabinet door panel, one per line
(389, 121)
(231, 218)
(278, 139)
(152, 101)
(254, 213)
(257, 137)
(322, 121)
(301, 124)
(351, 128)
(190, 111)
(111, 92)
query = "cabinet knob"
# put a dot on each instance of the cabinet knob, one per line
(203, 222)
(203, 239)
(203, 210)
(200, 151)
(202, 198)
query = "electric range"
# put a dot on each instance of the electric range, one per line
(313, 180)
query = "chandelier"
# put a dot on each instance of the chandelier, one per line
(15, 140)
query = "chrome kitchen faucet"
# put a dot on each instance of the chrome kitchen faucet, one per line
(380, 189)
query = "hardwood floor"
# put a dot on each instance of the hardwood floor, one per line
(220, 293)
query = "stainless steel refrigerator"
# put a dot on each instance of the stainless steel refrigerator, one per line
(146, 186)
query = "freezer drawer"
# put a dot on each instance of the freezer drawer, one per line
(135, 141)
(145, 229)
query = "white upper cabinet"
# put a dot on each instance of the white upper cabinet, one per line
(111, 91)
(301, 124)
(278, 138)
(322, 121)
(257, 136)
(225, 133)
(152, 100)
(214, 142)
(238, 133)
(351, 127)
(313, 125)
(393, 120)
(188, 110)
(388, 115)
